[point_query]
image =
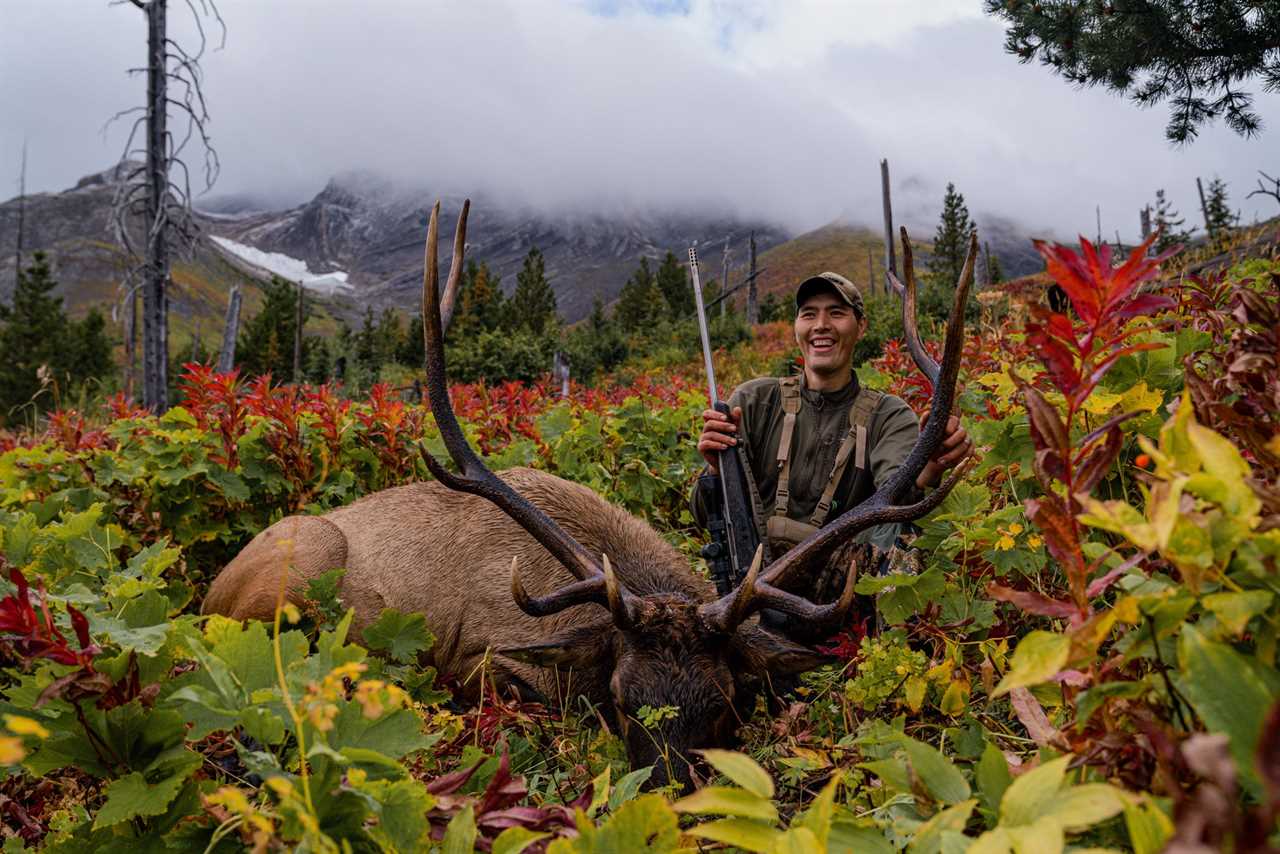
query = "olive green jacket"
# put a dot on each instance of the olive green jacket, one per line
(821, 425)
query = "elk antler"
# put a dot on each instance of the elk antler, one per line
(910, 330)
(882, 506)
(595, 584)
(754, 594)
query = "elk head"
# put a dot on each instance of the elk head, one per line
(665, 648)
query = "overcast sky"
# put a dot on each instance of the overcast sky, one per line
(777, 108)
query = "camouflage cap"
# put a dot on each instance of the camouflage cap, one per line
(843, 288)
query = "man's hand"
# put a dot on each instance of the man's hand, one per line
(954, 449)
(718, 434)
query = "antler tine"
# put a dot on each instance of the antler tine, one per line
(910, 327)
(474, 477)
(882, 506)
(728, 612)
(591, 591)
(450, 297)
(753, 595)
(604, 590)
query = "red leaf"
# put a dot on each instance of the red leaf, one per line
(1032, 602)
(1095, 466)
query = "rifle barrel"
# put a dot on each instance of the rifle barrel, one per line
(702, 324)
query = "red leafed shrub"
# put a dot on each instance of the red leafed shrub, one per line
(1076, 353)
(214, 400)
(32, 634)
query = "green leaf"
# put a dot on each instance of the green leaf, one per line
(402, 635)
(1043, 836)
(460, 835)
(1079, 808)
(1149, 828)
(628, 787)
(147, 794)
(892, 771)
(797, 840)
(1032, 794)
(993, 777)
(514, 840)
(646, 825)
(1228, 694)
(847, 838)
(1037, 658)
(741, 769)
(740, 832)
(723, 800)
(1235, 610)
(820, 813)
(401, 809)
(943, 780)
(928, 838)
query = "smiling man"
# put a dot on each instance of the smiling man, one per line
(817, 444)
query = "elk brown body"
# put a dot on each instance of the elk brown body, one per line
(564, 595)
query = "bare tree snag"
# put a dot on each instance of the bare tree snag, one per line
(1144, 218)
(753, 305)
(230, 329)
(297, 339)
(22, 215)
(151, 189)
(724, 276)
(1204, 208)
(1262, 190)
(890, 257)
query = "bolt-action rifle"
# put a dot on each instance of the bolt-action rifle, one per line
(734, 537)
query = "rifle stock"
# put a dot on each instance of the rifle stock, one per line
(731, 522)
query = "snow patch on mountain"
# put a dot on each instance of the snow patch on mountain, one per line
(287, 267)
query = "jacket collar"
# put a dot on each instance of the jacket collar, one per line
(841, 397)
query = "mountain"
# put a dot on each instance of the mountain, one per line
(359, 243)
(370, 232)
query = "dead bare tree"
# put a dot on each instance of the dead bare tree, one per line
(151, 190)
(22, 214)
(230, 329)
(890, 261)
(297, 338)
(1261, 191)
(753, 305)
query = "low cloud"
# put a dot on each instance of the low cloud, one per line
(778, 110)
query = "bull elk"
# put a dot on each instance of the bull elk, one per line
(555, 593)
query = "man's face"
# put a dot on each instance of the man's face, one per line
(827, 329)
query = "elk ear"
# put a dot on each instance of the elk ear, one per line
(581, 647)
(765, 653)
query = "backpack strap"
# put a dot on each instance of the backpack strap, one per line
(790, 388)
(854, 444)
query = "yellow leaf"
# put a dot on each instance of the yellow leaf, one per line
(19, 725)
(11, 750)
(956, 699)
(1139, 398)
(914, 690)
(1101, 402)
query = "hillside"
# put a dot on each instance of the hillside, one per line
(845, 249)
(73, 228)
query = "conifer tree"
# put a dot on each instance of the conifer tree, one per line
(35, 333)
(1193, 54)
(1165, 217)
(265, 344)
(951, 240)
(1218, 214)
(641, 302)
(673, 283)
(481, 300)
(533, 304)
(367, 346)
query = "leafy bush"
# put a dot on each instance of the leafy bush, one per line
(1086, 655)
